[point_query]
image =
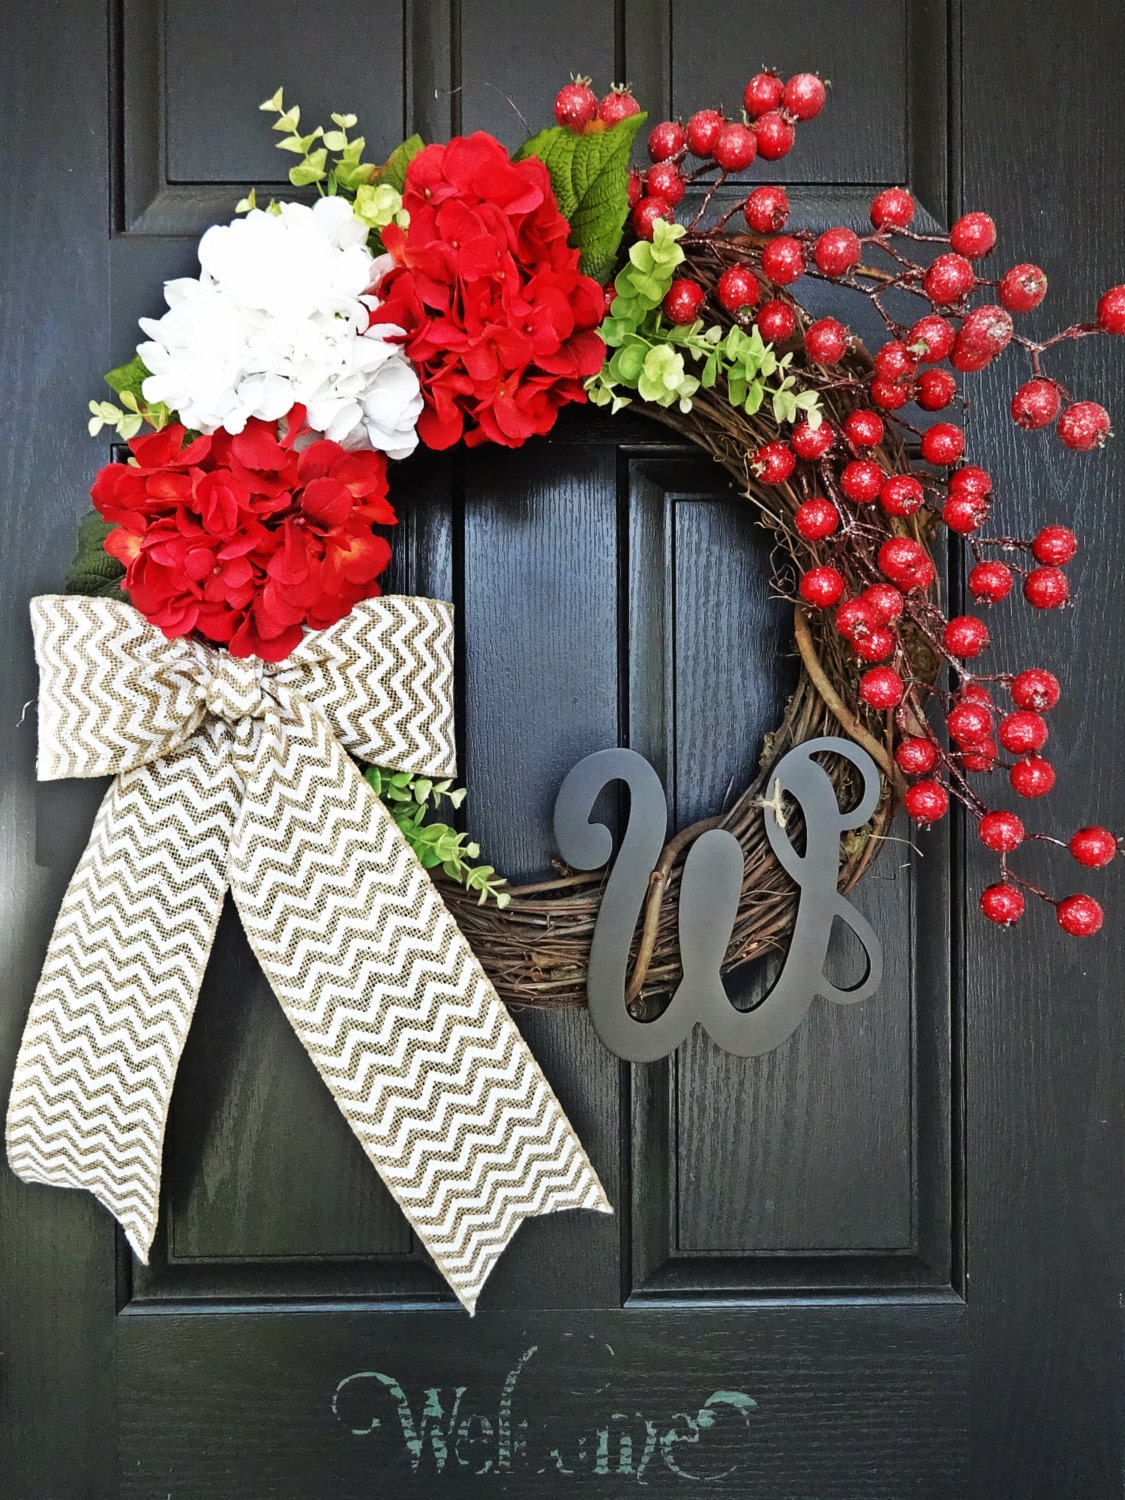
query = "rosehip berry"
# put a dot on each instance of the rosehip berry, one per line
(767, 209)
(774, 462)
(969, 723)
(1036, 404)
(1055, 545)
(821, 587)
(862, 481)
(965, 636)
(893, 208)
(980, 757)
(816, 519)
(948, 279)
(931, 338)
(783, 260)
(1084, 425)
(666, 140)
(775, 136)
(762, 93)
(1081, 916)
(990, 582)
(891, 394)
(1002, 903)
(1093, 846)
(1000, 831)
(1033, 777)
(901, 495)
(618, 105)
(916, 755)
(968, 358)
(971, 480)
(1046, 588)
(900, 559)
(943, 444)
(576, 104)
(963, 513)
(876, 645)
(735, 148)
(1036, 688)
(988, 330)
(1022, 732)
(973, 235)
(885, 602)
(837, 251)
(646, 213)
(1022, 288)
(683, 300)
(855, 619)
(881, 688)
(803, 96)
(1111, 310)
(809, 442)
(935, 390)
(777, 322)
(826, 341)
(864, 428)
(634, 188)
(927, 801)
(738, 287)
(976, 692)
(703, 131)
(665, 180)
(894, 361)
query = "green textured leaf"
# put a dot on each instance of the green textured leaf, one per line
(394, 168)
(93, 571)
(590, 178)
(127, 379)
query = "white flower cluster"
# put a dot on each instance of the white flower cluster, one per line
(278, 316)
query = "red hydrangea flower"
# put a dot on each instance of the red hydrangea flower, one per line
(246, 539)
(500, 324)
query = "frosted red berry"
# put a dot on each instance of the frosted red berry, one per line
(1000, 831)
(1093, 846)
(973, 235)
(894, 361)
(816, 519)
(702, 131)
(980, 756)
(969, 723)
(943, 444)
(1055, 545)
(931, 338)
(1036, 688)
(826, 341)
(735, 148)
(617, 105)
(666, 140)
(901, 495)
(809, 442)
(576, 104)
(891, 394)
(967, 358)
(935, 390)
(776, 321)
(881, 688)
(901, 559)
(767, 209)
(774, 462)
(893, 208)
(916, 755)
(1033, 777)
(635, 187)
(990, 582)
(821, 587)
(665, 180)
(646, 213)
(855, 618)
(683, 301)
(1111, 310)
(963, 513)
(987, 330)
(1081, 916)
(876, 645)
(775, 136)
(803, 96)
(861, 481)
(927, 801)
(864, 428)
(1022, 732)
(1046, 588)
(885, 602)
(971, 480)
(965, 636)
(1002, 903)
(737, 287)
(762, 93)
(1036, 404)
(1022, 288)
(783, 260)
(948, 279)
(1084, 425)
(837, 251)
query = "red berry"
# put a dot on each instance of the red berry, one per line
(1000, 831)
(635, 187)
(774, 462)
(783, 260)
(862, 480)
(931, 338)
(890, 394)
(885, 601)
(965, 636)
(900, 559)
(893, 208)
(1035, 404)
(968, 357)
(1022, 288)
(876, 645)
(738, 287)
(969, 723)
(576, 104)
(666, 140)
(894, 361)
(826, 341)
(927, 801)
(855, 619)
(646, 213)
(617, 105)
(963, 513)
(980, 757)
(881, 688)
(1084, 425)
(1093, 846)
(776, 321)
(1081, 916)
(1035, 688)
(990, 582)
(973, 235)
(683, 300)
(976, 692)
(811, 443)
(1055, 545)
(1022, 732)
(916, 755)
(935, 390)
(987, 330)
(1033, 777)
(703, 131)
(948, 279)
(736, 147)
(775, 136)
(767, 209)
(821, 587)
(901, 495)
(864, 428)
(803, 96)
(1111, 310)
(610, 294)
(969, 480)
(1002, 903)
(1046, 588)
(943, 444)
(837, 251)
(665, 180)
(816, 519)
(762, 93)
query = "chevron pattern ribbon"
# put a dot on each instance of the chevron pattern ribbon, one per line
(234, 773)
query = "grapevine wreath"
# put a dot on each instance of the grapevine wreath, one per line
(459, 295)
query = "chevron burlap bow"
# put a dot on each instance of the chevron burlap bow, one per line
(234, 772)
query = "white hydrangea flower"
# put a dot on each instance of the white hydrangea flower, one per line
(278, 316)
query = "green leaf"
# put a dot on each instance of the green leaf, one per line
(129, 378)
(274, 105)
(590, 178)
(93, 571)
(393, 170)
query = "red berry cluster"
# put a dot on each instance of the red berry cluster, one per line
(577, 107)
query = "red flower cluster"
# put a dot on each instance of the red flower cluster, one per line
(243, 539)
(499, 321)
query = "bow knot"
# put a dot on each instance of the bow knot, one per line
(234, 688)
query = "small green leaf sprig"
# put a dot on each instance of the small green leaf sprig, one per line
(408, 799)
(650, 356)
(134, 411)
